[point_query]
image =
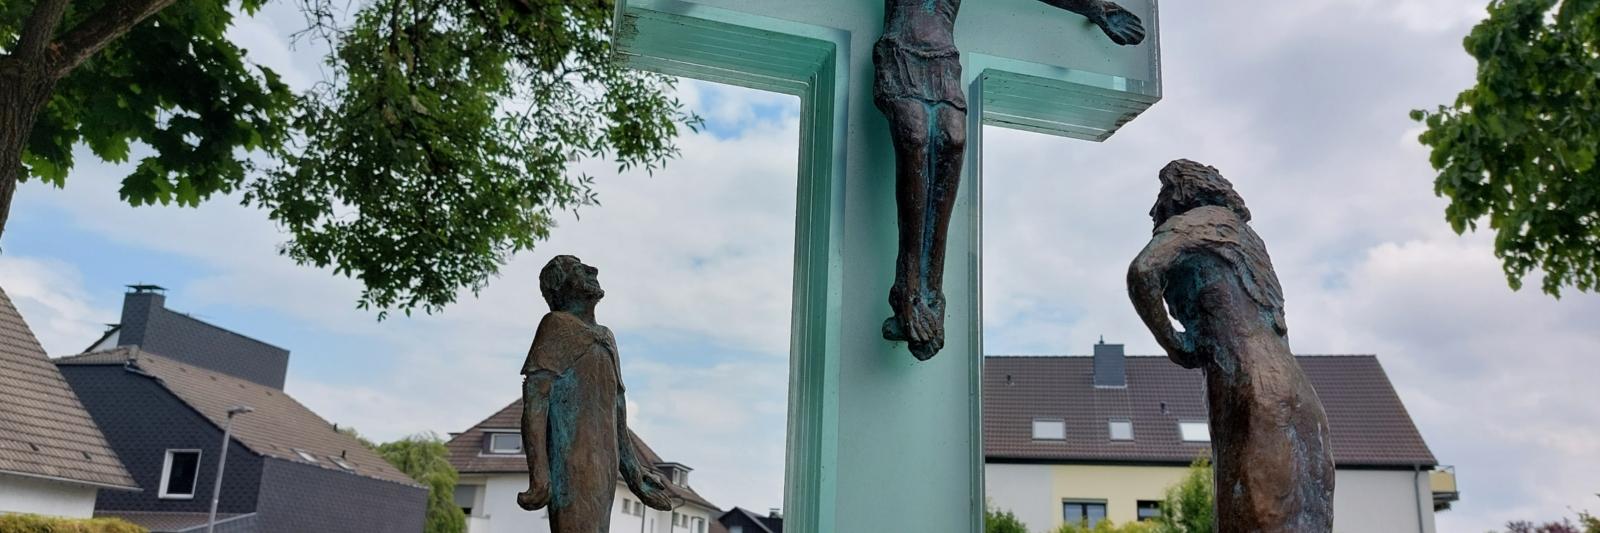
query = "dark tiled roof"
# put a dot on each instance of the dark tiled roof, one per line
(44, 429)
(766, 522)
(1370, 426)
(280, 427)
(466, 453)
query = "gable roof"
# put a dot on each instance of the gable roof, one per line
(767, 524)
(44, 430)
(1369, 425)
(466, 453)
(280, 427)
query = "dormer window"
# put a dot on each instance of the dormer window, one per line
(677, 473)
(503, 443)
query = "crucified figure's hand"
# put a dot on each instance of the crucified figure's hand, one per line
(1121, 25)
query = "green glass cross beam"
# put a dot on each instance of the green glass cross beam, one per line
(879, 442)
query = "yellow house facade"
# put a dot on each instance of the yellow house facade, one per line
(1087, 439)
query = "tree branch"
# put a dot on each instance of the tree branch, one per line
(104, 26)
(39, 28)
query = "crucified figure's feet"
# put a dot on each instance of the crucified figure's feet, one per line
(918, 322)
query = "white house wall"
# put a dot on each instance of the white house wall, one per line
(20, 494)
(1365, 501)
(496, 510)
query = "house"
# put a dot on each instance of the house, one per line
(741, 520)
(165, 413)
(1092, 438)
(53, 458)
(493, 470)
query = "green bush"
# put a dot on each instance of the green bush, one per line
(996, 521)
(32, 523)
(1190, 503)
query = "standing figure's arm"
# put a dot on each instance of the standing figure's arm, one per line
(537, 379)
(1147, 285)
(641, 478)
(1121, 25)
(535, 424)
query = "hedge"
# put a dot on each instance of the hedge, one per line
(32, 523)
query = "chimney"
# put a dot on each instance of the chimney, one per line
(138, 305)
(1110, 366)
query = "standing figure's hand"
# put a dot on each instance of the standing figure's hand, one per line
(653, 491)
(1121, 25)
(535, 498)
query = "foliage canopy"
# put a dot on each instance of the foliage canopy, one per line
(1520, 147)
(445, 144)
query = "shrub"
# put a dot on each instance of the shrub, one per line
(32, 523)
(996, 521)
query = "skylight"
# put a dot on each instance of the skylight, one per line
(1194, 431)
(306, 455)
(1049, 429)
(1121, 429)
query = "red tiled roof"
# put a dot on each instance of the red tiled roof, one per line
(279, 427)
(1368, 423)
(44, 429)
(466, 453)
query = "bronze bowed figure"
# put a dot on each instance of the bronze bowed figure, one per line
(1269, 435)
(574, 418)
(917, 86)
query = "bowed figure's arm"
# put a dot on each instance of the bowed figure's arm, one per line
(1147, 286)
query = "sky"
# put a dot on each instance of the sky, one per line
(1302, 105)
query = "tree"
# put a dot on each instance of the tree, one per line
(1587, 523)
(997, 521)
(424, 457)
(440, 146)
(1190, 504)
(1520, 147)
(175, 84)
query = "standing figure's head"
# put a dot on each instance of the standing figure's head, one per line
(566, 283)
(1187, 185)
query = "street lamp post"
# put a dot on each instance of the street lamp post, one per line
(222, 461)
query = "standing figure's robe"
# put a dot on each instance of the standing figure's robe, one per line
(581, 433)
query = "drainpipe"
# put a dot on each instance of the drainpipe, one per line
(1416, 489)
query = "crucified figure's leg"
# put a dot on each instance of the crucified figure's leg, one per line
(929, 139)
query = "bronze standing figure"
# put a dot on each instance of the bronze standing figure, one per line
(574, 418)
(1269, 435)
(917, 85)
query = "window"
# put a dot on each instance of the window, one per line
(1121, 429)
(508, 443)
(306, 455)
(179, 471)
(1084, 513)
(676, 519)
(1194, 431)
(1049, 429)
(627, 506)
(466, 497)
(1148, 510)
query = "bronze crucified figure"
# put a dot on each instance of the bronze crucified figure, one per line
(917, 85)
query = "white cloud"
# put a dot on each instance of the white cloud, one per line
(50, 296)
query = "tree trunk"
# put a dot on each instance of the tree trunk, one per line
(23, 95)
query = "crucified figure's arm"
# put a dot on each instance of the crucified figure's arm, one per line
(1121, 25)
